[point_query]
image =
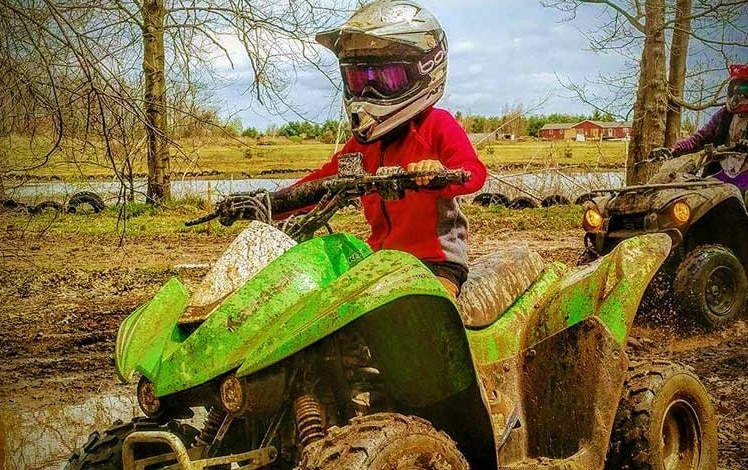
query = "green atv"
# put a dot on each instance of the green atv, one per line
(313, 352)
(704, 278)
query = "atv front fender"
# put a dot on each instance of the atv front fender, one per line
(311, 291)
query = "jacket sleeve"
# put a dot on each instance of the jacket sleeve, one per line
(703, 136)
(454, 150)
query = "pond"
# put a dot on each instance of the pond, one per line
(537, 184)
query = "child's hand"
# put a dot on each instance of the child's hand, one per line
(425, 165)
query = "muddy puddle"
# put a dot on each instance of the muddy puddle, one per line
(45, 439)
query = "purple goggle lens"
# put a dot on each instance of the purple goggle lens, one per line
(387, 80)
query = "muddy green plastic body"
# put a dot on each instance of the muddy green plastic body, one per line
(311, 291)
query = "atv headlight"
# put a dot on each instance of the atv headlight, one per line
(147, 399)
(592, 220)
(681, 212)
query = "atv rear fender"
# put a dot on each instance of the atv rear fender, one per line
(556, 358)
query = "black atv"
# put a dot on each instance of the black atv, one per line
(699, 201)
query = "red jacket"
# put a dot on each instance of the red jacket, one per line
(427, 223)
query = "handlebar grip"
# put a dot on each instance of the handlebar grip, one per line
(439, 180)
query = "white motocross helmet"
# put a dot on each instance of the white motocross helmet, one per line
(393, 59)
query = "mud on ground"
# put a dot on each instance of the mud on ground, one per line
(62, 299)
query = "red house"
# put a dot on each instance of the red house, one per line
(585, 130)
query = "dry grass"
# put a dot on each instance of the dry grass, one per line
(76, 160)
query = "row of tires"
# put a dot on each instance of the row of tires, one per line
(524, 202)
(77, 201)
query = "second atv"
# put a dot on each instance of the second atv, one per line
(699, 201)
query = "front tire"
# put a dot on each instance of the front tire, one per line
(104, 451)
(384, 441)
(711, 285)
(665, 421)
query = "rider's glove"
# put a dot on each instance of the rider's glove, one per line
(660, 154)
(425, 165)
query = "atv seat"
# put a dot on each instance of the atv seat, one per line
(495, 281)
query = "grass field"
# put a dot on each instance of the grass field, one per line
(137, 220)
(21, 156)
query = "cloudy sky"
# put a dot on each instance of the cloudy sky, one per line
(501, 53)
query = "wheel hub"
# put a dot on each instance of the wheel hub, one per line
(681, 437)
(720, 290)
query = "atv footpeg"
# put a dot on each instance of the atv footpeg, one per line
(188, 459)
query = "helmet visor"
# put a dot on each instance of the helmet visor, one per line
(737, 95)
(379, 81)
(738, 87)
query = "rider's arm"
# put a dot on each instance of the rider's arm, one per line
(454, 150)
(703, 136)
(328, 169)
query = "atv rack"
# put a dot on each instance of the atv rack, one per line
(249, 460)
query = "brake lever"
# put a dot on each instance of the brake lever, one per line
(203, 219)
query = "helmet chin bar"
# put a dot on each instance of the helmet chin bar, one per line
(367, 127)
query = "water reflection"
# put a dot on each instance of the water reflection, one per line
(45, 439)
(542, 183)
(109, 191)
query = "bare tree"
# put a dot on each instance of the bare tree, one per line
(176, 42)
(648, 127)
(677, 69)
(719, 32)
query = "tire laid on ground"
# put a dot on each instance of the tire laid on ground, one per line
(86, 197)
(665, 421)
(46, 205)
(710, 285)
(104, 451)
(523, 202)
(554, 200)
(14, 206)
(581, 199)
(384, 440)
(491, 199)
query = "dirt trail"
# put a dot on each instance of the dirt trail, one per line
(61, 301)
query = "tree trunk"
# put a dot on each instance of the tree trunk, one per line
(159, 186)
(650, 108)
(677, 72)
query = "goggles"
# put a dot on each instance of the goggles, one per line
(386, 80)
(740, 87)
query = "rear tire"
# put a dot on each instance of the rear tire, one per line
(665, 421)
(384, 441)
(104, 451)
(710, 285)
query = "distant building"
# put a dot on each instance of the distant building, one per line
(481, 138)
(558, 131)
(585, 130)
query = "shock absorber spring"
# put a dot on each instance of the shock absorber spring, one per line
(212, 424)
(308, 412)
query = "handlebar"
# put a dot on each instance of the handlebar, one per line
(389, 182)
(712, 154)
